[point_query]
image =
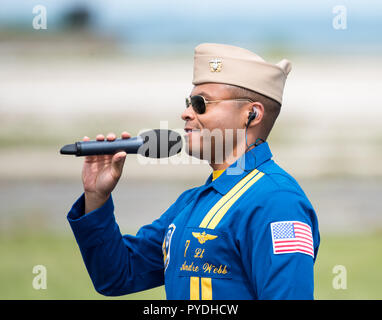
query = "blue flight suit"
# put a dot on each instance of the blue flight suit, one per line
(235, 237)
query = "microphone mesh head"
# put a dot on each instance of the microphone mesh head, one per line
(160, 143)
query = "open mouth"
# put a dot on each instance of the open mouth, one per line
(187, 130)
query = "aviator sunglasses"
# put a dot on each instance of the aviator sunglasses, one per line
(199, 103)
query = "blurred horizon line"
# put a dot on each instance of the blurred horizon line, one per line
(139, 28)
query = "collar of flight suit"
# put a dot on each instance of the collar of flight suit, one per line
(249, 161)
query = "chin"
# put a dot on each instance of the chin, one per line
(194, 150)
(203, 149)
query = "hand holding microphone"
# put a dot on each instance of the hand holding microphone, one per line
(101, 173)
(104, 160)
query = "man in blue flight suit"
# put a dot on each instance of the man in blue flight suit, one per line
(248, 233)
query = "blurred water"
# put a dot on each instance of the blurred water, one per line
(342, 205)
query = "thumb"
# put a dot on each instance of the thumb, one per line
(117, 163)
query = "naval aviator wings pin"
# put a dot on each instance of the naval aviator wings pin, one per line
(203, 237)
(215, 65)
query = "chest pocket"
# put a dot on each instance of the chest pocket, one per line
(206, 253)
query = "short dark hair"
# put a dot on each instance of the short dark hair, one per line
(271, 107)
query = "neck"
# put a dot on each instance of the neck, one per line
(236, 153)
(221, 166)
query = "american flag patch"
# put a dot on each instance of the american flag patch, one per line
(292, 236)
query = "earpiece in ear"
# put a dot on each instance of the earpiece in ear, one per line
(251, 116)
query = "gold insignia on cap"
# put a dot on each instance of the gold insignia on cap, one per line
(242, 68)
(215, 65)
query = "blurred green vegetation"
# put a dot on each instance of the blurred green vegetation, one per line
(361, 255)
(67, 277)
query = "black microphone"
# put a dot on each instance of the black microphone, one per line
(158, 143)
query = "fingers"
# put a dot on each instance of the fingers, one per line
(109, 137)
(100, 137)
(119, 156)
(112, 136)
(89, 159)
(125, 135)
(117, 163)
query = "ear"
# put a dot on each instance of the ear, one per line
(259, 109)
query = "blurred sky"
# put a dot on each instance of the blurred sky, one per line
(294, 25)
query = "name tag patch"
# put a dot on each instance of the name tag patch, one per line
(206, 254)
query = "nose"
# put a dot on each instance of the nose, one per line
(188, 114)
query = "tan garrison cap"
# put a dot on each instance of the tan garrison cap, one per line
(222, 63)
